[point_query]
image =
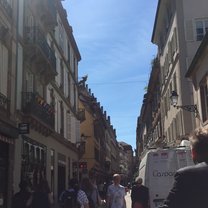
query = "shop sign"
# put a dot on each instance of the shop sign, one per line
(24, 128)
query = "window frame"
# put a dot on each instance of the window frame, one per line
(203, 87)
(200, 36)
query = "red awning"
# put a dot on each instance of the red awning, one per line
(6, 139)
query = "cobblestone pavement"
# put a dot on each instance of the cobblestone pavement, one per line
(128, 200)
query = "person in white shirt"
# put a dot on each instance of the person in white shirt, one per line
(116, 194)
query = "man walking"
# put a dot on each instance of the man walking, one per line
(190, 189)
(20, 199)
(116, 193)
(140, 195)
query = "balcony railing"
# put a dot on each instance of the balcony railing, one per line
(35, 37)
(36, 106)
(4, 103)
(6, 6)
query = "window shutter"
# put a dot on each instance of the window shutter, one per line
(169, 53)
(68, 126)
(162, 75)
(57, 115)
(189, 30)
(73, 129)
(174, 42)
(29, 82)
(77, 130)
(48, 97)
(1, 68)
(5, 71)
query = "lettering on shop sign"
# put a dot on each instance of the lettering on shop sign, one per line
(157, 173)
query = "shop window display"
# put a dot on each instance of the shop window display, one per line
(33, 160)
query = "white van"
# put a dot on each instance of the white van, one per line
(157, 170)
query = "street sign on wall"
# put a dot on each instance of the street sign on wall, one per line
(24, 128)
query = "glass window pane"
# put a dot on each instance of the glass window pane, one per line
(206, 25)
(199, 24)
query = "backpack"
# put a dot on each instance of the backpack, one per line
(69, 199)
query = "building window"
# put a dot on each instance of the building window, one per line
(29, 81)
(62, 75)
(75, 65)
(52, 98)
(69, 85)
(3, 69)
(204, 98)
(201, 29)
(75, 104)
(52, 169)
(39, 87)
(62, 118)
(69, 53)
(33, 159)
(69, 169)
(61, 35)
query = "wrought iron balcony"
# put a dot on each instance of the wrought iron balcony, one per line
(6, 6)
(4, 103)
(35, 39)
(37, 107)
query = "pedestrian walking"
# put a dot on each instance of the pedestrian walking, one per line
(82, 197)
(95, 193)
(91, 191)
(190, 189)
(101, 190)
(42, 196)
(68, 198)
(20, 199)
(116, 194)
(139, 195)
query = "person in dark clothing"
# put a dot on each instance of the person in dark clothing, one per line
(140, 195)
(20, 199)
(190, 189)
(68, 198)
(42, 196)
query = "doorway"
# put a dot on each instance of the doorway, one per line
(61, 178)
(4, 147)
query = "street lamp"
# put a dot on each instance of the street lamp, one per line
(190, 108)
(81, 150)
(81, 144)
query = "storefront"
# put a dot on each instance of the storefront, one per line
(7, 135)
(33, 159)
(4, 152)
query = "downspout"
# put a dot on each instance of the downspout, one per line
(17, 54)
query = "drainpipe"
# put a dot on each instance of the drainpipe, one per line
(17, 44)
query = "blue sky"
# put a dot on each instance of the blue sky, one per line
(114, 40)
